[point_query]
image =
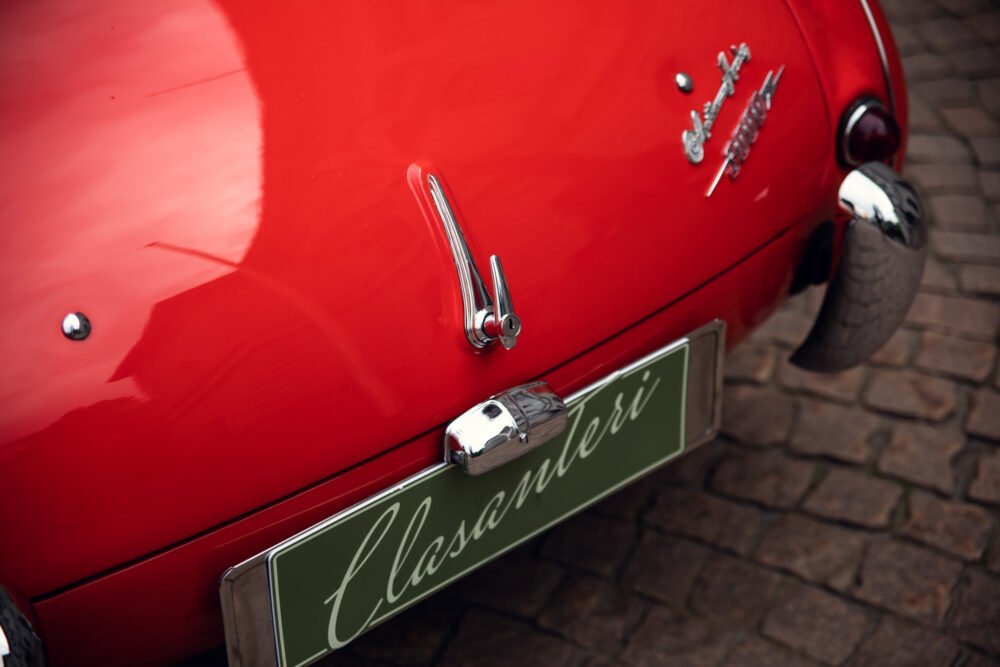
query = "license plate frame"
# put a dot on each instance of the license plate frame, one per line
(255, 614)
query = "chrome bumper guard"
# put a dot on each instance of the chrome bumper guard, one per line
(880, 269)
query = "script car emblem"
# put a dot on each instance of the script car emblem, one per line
(695, 138)
(748, 129)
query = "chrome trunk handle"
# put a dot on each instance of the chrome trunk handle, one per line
(487, 319)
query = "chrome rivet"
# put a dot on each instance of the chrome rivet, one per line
(684, 82)
(76, 326)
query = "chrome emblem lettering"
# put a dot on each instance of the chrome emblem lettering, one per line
(701, 130)
(748, 128)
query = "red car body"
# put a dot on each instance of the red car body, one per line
(222, 187)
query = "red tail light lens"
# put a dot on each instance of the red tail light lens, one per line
(870, 134)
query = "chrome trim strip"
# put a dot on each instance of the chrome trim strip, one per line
(883, 55)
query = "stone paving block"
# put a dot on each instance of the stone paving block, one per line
(957, 212)
(924, 66)
(843, 386)
(848, 494)
(980, 279)
(975, 63)
(980, 660)
(907, 12)
(895, 642)
(803, 619)
(993, 554)
(989, 183)
(937, 277)
(987, 151)
(908, 580)
(946, 35)
(960, 8)
(947, 93)
(691, 468)
(966, 247)
(984, 418)
(629, 501)
(593, 613)
(787, 327)
(734, 592)
(931, 178)
(922, 455)
(826, 429)
(769, 478)
(819, 552)
(756, 415)
(500, 585)
(986, 25)
(955, 357)
(907, 40)
(751, 363)
(897, 350)
(411, 639)
(977, 618)
(705, 517)
(971, 121)
(669, 637)
(595, 543)
(937, 149)
(989, 93)
(911, 394)
(953, 314)
(754, 652)
(924, 121)
(665, 567)
(961, 529)
(505, 643)
(986, 485)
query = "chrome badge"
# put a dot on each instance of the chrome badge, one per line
(748, 128)
(695, 138)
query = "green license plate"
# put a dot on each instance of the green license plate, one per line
(348, 574)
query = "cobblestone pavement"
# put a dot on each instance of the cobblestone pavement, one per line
(840, 520)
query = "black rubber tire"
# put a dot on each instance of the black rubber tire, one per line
(874, 287)
(25, 646)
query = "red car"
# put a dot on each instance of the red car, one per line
(332, 302)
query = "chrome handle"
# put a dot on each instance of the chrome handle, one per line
(487, 320)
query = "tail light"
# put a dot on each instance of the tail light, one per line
(870, 134)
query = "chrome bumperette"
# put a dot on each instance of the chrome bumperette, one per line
(487, 320)
(4, 646)
(885, 246)
(504, 427)
(883, 56)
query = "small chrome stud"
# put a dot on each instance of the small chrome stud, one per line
(76, 326)
(684, 82)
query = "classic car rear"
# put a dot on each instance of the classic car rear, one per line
(237, 208)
